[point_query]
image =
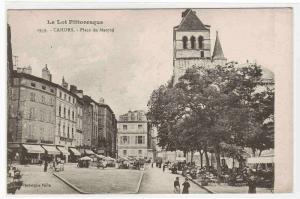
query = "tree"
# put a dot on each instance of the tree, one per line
(212, 106)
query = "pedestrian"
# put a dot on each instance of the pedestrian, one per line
(164, 166)
(176, 185)
(186, 185)
(252, 183)
(45, 165)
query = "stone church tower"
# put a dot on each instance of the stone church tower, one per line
(192, 45)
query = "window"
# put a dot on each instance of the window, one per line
(69, 99)
(44, 87)
(64, 128)
(124, 152)
(42, 115)
(140, 152)
(32, 97)
(69, 114)
(60, 94)
(65, 96)
(124, 127)
(192, 42)
(139, 140)
(140, 127)
(59, 111)
(184, 42)
(124, 140)
(200, 42)
(43, 99)
(72, 115)
(32, 112)
(33, 84)
(202, 53)
(73, 100)
(58, 126)
(64, 112)
(68, 131)
(51, 90)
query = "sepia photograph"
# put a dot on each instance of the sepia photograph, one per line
(149, 101)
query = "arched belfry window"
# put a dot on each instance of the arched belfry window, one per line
(184, 42)
(192, 42)
(200, 42)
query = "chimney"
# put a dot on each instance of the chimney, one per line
(73, 89)
(46, 74)
(101, 100)
(64, 84)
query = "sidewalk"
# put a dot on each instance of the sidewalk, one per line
(224, 188)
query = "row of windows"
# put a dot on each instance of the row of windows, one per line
(125, 127)
(66, 131)
(193, 42)
(43, 99)
(66, 97)
(66, 113)
(44, 116)
(138, 139)
(140, 152)
(43, 87)
(41, 133)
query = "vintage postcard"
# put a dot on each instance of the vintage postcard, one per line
(149, 101)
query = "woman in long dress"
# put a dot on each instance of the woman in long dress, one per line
(176, 185)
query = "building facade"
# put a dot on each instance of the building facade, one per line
(31, 121)
(66, 117)
(133, 135)
(108, 130)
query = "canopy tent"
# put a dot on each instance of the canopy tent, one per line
(86, 158)
(89, 152)
(75, 151)
(51, 150)
(33, 148)
(63, 150)
(180, 158)
(260, 160)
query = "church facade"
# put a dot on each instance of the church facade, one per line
(192, 45)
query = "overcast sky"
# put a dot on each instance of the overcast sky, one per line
(125, 66)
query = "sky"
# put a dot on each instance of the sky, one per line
(126, 65)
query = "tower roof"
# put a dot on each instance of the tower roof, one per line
(190, 21)
(218, 52)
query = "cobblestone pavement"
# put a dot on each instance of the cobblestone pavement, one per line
(155, 181)
(36, 181)
(109, 180)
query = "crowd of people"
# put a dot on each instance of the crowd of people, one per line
(242, 176)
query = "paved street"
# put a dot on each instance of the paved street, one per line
(155, 181)
(35, 181)
(109, 180)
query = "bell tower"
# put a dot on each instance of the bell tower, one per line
(191, 43)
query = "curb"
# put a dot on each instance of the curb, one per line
(203, 187)
(139, 183)
(70, 185)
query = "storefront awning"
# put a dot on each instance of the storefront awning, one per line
(75, 151)
(51, 150)
(33, 148)
(260, 160)
(89, 152)
(63, 150)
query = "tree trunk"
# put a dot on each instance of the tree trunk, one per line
(217, 153)
(206, 158)
(232, 162)
(192, 156)
(201, 159)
